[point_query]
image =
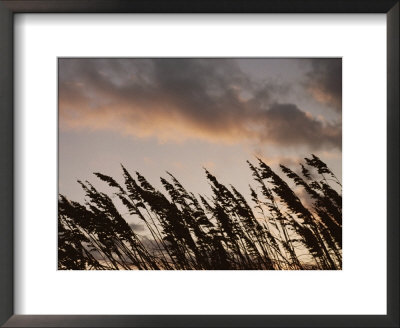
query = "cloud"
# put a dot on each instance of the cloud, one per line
(180, 99)
(137, 227)
(325, 81)
(209, 165)
(290, 161)
(288, 125)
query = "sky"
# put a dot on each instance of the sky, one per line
(182, 115)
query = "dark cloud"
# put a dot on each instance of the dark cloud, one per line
(176, 99)
(288, 125)
(137, 227)
(325, 81)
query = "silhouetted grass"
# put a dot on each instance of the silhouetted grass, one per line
(184, 232)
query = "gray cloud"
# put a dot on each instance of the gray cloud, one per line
(177, 99)
(288, 125)
(137, 227)
(325, 81)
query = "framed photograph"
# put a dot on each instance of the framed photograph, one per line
(199, 164)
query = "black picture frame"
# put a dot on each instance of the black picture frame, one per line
(10, 7)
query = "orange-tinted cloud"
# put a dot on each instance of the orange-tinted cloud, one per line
(325, 82)
(179, 99)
